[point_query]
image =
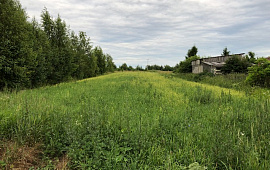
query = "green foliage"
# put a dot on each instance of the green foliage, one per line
(123, 67)
(130, 68)
(32, 55)
(63, 59)
(192, 52)
(110, 66)
(93, 71)
(101, 60)
(225, 52)
(139, 68)
(42, 48)
(251, 57)
(251, 54)
(259, 74)
(168, 68)
(185, 66)
(82, 51)
(161, 68)
(17, 58)
(236, 64)
(154, 67)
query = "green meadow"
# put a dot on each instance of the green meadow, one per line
(135, 120)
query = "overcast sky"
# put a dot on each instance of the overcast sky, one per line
(162, 31)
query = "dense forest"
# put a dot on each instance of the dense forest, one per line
(34, 54)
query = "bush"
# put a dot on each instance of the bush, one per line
(236, 64)
(259, 74)
(185, 66)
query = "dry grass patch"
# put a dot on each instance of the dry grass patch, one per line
(62, 163)
(13, 156)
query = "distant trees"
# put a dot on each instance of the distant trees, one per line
(139, 68)
(158, 67)
(154, 67)
(123, 67)
(33, 54)
(167, 68)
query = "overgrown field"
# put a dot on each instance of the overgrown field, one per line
(135, 120)
(233, 81)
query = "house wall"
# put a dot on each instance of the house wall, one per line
(197, 69)
(208, 68)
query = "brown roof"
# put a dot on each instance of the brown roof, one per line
(268, 58)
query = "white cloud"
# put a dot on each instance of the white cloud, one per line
(163, 30)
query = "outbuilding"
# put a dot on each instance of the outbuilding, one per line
(211, 64)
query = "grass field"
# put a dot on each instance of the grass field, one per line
(134, 120)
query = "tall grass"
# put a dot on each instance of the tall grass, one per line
(234, 81)
(141, 120)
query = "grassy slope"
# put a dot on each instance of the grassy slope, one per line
(231, 81)
(140, 120)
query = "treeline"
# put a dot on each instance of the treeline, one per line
(125, 67)
(34, 54)
(157, 67)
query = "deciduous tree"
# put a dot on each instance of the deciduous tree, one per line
(192, 52)
(225, 52)
(17, 58)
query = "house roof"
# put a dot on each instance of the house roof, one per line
(215, 64)
(268, 58)
(239, 54)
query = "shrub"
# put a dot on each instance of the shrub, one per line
(185, 66)
(259, 74)
(235, 64)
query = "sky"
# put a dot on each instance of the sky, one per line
(160, 32)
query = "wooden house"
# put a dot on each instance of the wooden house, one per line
(211, 64)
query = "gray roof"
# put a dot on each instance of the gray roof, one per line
(215, 64)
